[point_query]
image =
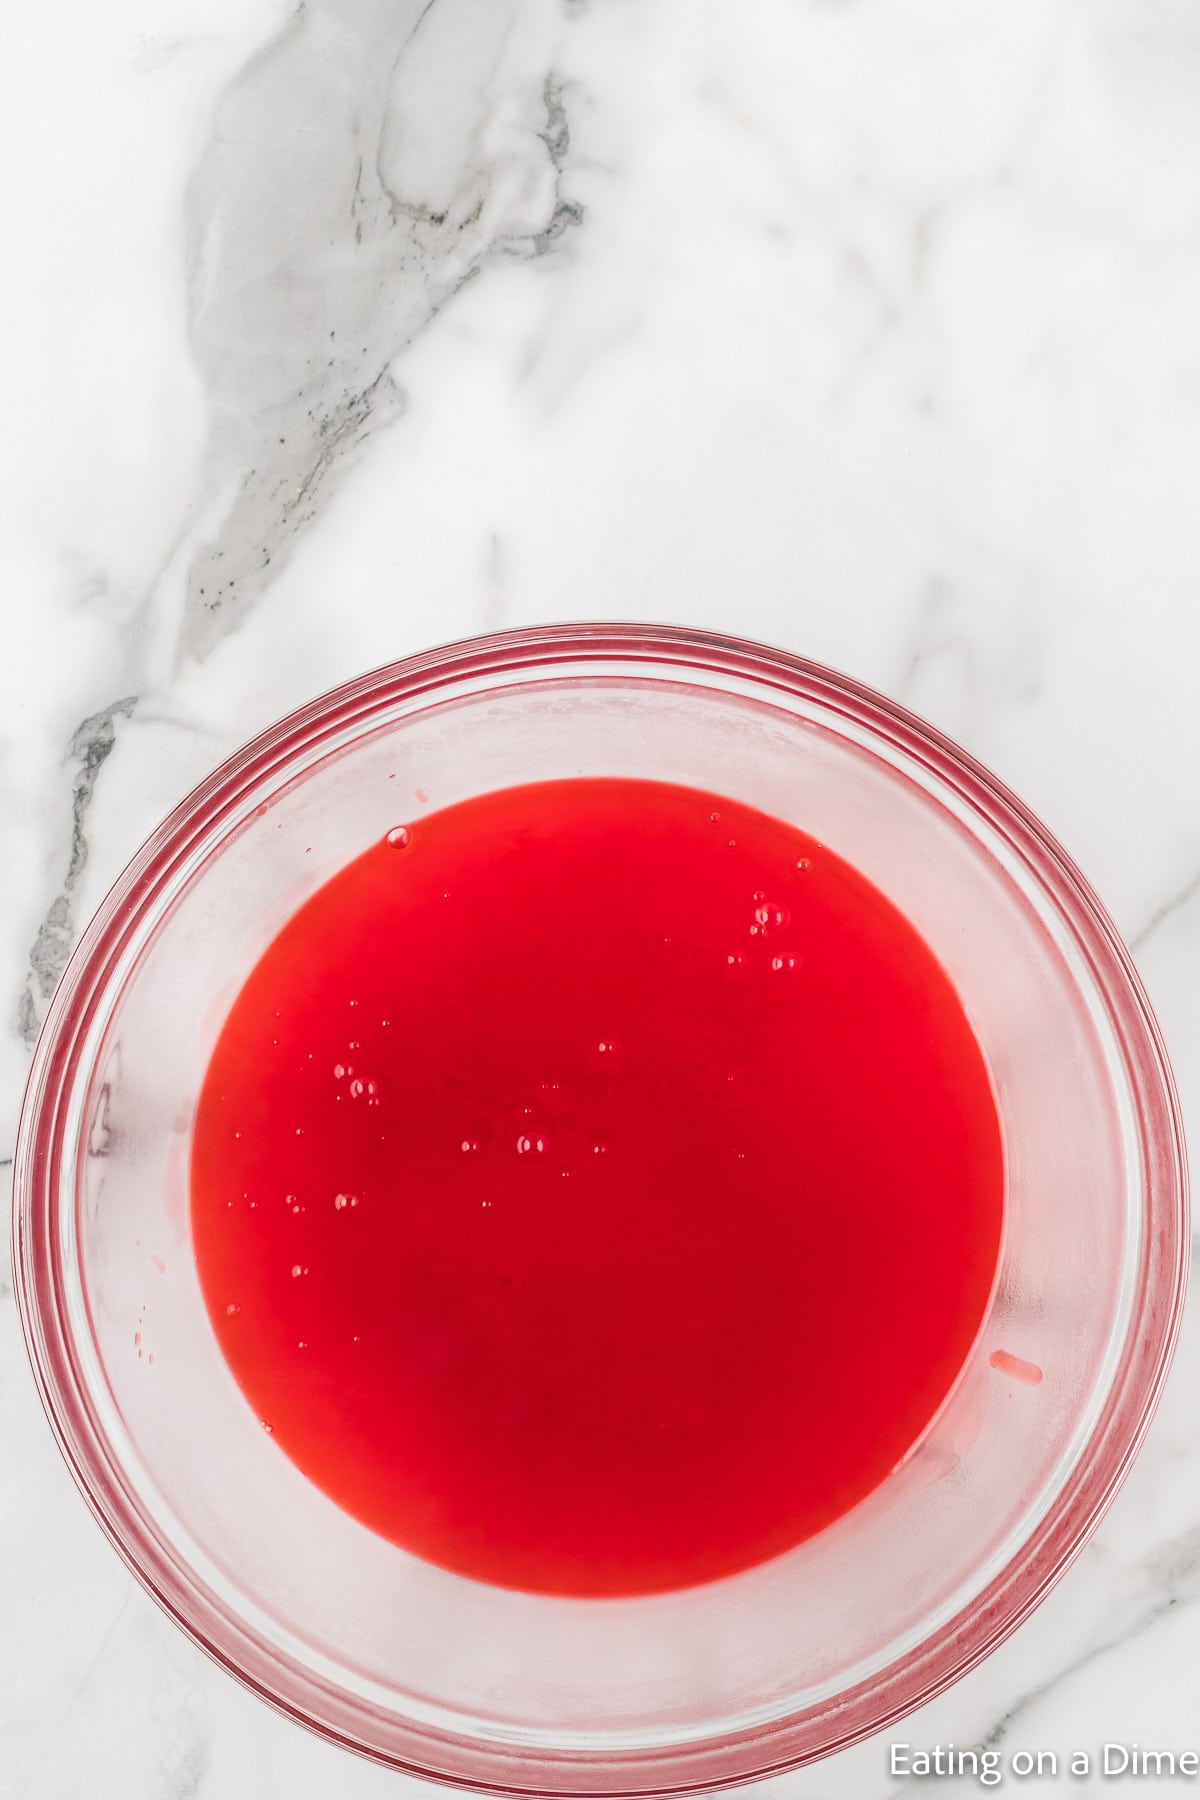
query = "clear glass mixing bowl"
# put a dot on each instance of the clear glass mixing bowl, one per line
(681, 1692)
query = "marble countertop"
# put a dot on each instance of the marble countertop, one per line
(341, 329)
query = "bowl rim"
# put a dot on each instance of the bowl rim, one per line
(700, 1765)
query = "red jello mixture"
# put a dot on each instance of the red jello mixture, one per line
(596, 1187)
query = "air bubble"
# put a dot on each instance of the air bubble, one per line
(356, 1088)
(399, 837)
(735, 960)
(803, 863)
(606, 1047)
(469, 1145)
(771, 916)
(339, 1069)
(298, 1269)
(232, 1310)
(714, 818)
(531, 1146)
(784, 965)
(269, 1429)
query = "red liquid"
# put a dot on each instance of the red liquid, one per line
(599, 1192)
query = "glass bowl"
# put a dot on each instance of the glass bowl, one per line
(674, 1693)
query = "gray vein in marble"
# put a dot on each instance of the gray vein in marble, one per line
(324, 233)
(91, 745)
(1174, 1570)
(1176, 903)
(185, 1761)
(328, 223)
(932, 637)
(964, 661)
(495, 584)
(556, 136)
(77, 1688)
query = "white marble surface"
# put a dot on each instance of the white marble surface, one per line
(869, 328)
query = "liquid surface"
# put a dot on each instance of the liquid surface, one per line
(596, 1187)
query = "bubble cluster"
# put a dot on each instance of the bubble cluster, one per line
(770, 915)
